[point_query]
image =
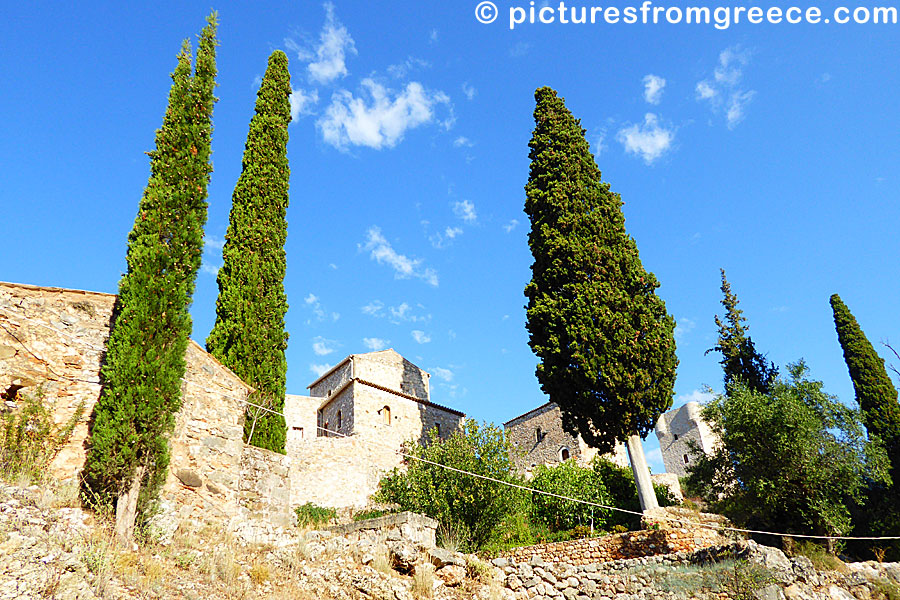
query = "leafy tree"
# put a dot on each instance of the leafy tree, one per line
(458, 501)
(604, 339)
(144, 362)
(792, 461)
(875, 393)
(619, 485)
(573, 481)
(248, 336)
(740, 360)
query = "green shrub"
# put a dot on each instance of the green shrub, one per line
(619, 484)
(820, 557)
(30, 439)
(312, 515)
(886, 589)
(372, 513)
(573, 481)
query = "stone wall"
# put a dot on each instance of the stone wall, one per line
(406, 526)
(300, 417)
(332, 380)
(675, 429)
(620, 546)
(392, 371)
(532, 448)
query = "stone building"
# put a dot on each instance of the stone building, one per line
(538, 438)
(54, 340)
(675, 429)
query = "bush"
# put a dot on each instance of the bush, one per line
(30, 439)
(619, 484)
(458, 501)
(570, 480)
(372, 513)
(312, 515)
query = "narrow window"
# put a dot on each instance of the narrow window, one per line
(299, 431)
(564, 453)
(386, 415)
(676, 437)
(327, 430)
(539, 435)
(340, 421)
(437, 428)
(686, 459)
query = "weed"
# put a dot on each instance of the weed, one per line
(310, 514)
(382, 560)
(820, 557)
(479, 570)
(423, 581)
(260, 572)
(450, 537)
(373, 513)
(885, 589)
(879, 553)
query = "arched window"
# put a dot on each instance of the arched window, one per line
(687, 459)
(539, 435)
(386, 415)
(340, 421)
(437, 429)
(564, 453)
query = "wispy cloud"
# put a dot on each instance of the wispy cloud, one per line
(404, 267)
(441, 373)
(443, 239)
(511, 225)
(319, 370)
(323, 347)
(379, 117)
(699, 396)
(649, 139)
(315, 305)
(433, 36)
(462, 142)
(212, 255)
(469, 91)
(329, 60)
(519, 49)
(465, 210)
(302, 103)
(375, 344)
(373, 308)
(723, 90)
(420, 336)
(407, 314)
(401, 70)
(684, 327)
(653, 88)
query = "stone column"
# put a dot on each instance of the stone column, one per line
(641, 473)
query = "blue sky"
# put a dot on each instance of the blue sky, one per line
(768, 150)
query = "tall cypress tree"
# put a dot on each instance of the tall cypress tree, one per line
(875, 393)
(249, 336)
(604, 339)
(144, 364)
(740, 360)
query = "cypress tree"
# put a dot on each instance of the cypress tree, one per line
(249, 336)
(876, 395)
(144, 363)
(740, 360)
(605, 341)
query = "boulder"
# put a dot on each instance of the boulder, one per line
(452, 575)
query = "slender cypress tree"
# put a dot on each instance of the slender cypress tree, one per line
(249, 336)
(740, 360)
(144, 364)
(875, 393)
(604, 339)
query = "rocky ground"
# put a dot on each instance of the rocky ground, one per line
(49, 548)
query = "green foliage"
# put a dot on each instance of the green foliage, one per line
(30, 439)
(791, 461)
(249, 336)
(822, 559)
(604, 339)
(372, 513)
(740, 360)
(886, 589)
(737, 579)
(312, 515)
(619, 484)
(471, 506)
(144, 362)
(573, 481)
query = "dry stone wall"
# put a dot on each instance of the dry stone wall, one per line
(406, 526)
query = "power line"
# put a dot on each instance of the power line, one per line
(586, 502)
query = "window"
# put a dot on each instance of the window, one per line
(676, 437)
(539, 435)
(386, 415)
(340, 421)
(564, 454)
(687, 459)
(299, 431)
(437, 428)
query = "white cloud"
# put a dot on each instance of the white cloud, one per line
(381, 120)
(433, 36)
(684, 327)
(410, 64)
(319, 370)
(404, 267)
(209, 268)
(699, 396)
(442, 240)
(312, 301)
(302, 103)
(653, 88)
(649, 140)
(469, 91)
(511, 225)
(825, 78)
(375, 344)
(213, 243)
(465, 210)
(330, 57)
(404, 313)
(723, 91)
(323, 347)
(440, 373)
(462, 141)
(600, 143)
(212, 254)
(420, 336)
(373, 308)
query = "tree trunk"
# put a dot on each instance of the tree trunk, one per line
(126, 508)
(641, 473)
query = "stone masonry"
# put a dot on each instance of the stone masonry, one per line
(678, 427)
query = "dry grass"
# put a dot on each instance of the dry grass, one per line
(423, 581)
(260, 572)
(382, 560)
